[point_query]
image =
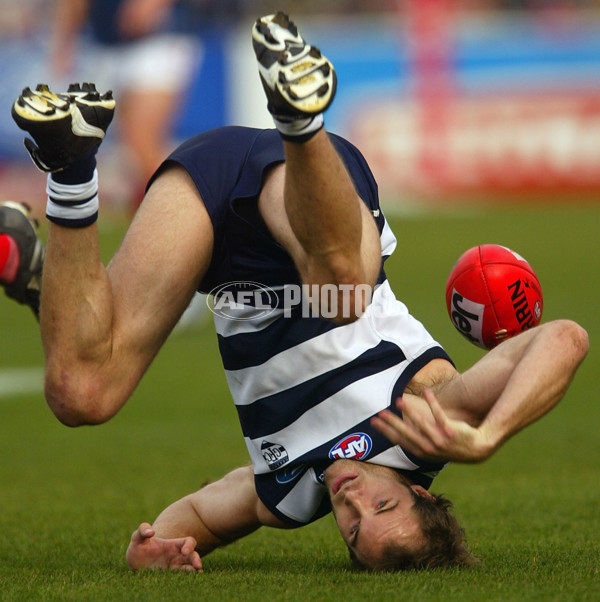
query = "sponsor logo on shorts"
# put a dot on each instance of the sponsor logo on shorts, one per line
(356, 446)
(287, 475)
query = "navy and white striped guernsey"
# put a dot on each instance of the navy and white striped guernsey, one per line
(304, 387)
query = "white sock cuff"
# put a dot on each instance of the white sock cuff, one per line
(72, 193)
(300, 128)
(72, 205)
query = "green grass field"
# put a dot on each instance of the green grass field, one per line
(69, 498)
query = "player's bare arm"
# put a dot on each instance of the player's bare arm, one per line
(216, 515)
(101, 328)
(512, 386)
(531, 373)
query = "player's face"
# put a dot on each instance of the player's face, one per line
(373, 507)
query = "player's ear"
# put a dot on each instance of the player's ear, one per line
(422, 491)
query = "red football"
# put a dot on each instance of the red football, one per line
(492, 294)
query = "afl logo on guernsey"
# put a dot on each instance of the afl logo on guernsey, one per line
(356, 446)
(241, 300)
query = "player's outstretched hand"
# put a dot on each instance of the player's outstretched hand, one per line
(146, 551)
(426, 431)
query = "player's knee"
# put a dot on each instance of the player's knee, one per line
(345, 289)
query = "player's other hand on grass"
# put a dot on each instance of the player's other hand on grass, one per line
(146, 551)
(426, 431)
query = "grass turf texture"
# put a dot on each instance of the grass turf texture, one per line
(70, 498)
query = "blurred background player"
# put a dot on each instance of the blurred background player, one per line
(143, 51)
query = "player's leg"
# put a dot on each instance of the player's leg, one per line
(327, 229)
(66, 130)
(102, 326)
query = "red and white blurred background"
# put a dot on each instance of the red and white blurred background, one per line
(448, 99)
(498, 103)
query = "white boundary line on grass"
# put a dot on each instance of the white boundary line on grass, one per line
(21, 381)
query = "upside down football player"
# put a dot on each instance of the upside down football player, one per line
(354, 414)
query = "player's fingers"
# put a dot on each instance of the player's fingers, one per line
(188, 568)
(438, 412)
(189, 554)
(188, 559)
(191, 564)
(196, 561)
(143, 532)
(188, 545)
(432, 437)
(401, 433)
(403, 426)
(383, 423)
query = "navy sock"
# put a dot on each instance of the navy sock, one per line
(78, 173)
